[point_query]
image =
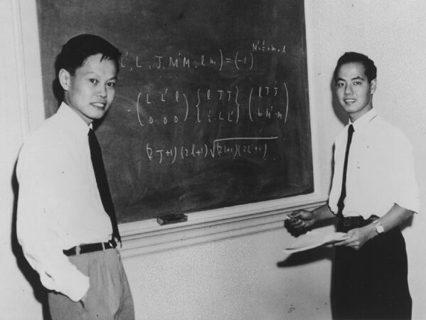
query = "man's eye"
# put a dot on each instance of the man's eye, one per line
(339, 84)
(111, 84)
(94, 81)
(357, 83)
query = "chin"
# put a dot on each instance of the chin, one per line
(352, 109)
(98, 114)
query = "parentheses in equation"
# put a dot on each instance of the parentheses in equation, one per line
(249, 104)
(266, 150)
(137, 108)
(197, 106)
(122, 64)
(174, 158)
(181, 152)
(221, 59)
(252, 61)
(237, 103)
(237, 150)
(187, 107)
(236, 61)
(286, 102)
(206, 152)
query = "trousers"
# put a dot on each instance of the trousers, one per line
(108, 297)
(371, 283)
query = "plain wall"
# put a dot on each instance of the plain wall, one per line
(242, 277)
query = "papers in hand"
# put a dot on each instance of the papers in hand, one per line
(313, 239)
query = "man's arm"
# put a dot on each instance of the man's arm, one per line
(36, 228)
(403, 185)
(359, 236)
(300, 221)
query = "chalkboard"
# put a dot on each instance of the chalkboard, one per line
(211, 108)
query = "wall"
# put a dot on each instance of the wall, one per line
(241, 275)
(15, 291)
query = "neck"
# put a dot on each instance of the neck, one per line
(355, 116)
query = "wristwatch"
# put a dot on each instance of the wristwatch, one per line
(379, 228)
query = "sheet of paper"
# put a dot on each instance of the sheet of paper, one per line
(314, 239)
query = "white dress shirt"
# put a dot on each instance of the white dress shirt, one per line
(380, 170)
(59, 204)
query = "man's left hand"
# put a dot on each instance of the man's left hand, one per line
(357, 237)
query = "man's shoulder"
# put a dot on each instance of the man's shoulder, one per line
(44, 136)
(390, 134)
(386, 128)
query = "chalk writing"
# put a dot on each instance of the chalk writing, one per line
(239, 59)
(234, 147)
(227, 106)
(261, 102)
(264, 46)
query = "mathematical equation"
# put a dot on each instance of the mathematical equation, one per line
(238, 59)
(167, 107)
(235, 147)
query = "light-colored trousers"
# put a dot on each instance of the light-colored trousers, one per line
(109, 296)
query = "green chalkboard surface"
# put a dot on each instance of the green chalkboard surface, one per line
(211, 108)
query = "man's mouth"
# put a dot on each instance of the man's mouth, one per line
(349, 101)
(100, 105)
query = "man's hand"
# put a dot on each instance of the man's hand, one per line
(299, 222)
(357, 237)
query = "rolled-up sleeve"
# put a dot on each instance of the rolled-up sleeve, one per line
(405, 187)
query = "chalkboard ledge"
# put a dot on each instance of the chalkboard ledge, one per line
(147, 236)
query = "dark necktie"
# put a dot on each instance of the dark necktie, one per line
(341, 202)
(102, 182)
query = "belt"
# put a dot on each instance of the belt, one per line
(90, 247)
(347, 223)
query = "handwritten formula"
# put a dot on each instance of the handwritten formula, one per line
(236, 104)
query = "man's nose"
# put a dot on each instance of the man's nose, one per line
(102, 91)
(348, 89)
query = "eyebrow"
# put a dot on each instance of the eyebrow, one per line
(94, 73)
(355, 78)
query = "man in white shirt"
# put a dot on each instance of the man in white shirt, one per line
(66, 227)
(373, 192)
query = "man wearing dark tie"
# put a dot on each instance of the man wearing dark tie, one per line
(373, 192)
(66, 222)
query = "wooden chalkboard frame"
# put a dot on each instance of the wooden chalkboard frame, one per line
(234, 126)
(147, 236)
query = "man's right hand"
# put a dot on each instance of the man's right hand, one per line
(299, 222)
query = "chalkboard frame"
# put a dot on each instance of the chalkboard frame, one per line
(146, 236)
(249, 180)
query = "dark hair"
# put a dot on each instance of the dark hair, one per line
(75, 52)
(370, 68)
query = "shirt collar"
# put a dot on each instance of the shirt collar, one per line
(364, 120)
(72, 121)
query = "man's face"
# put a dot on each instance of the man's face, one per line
(91, 89)
(354, 91)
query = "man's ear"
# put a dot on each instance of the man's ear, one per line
(373, 85)
(64, 78)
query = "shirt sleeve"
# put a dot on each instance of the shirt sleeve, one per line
(36, 227)
(405, 186)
